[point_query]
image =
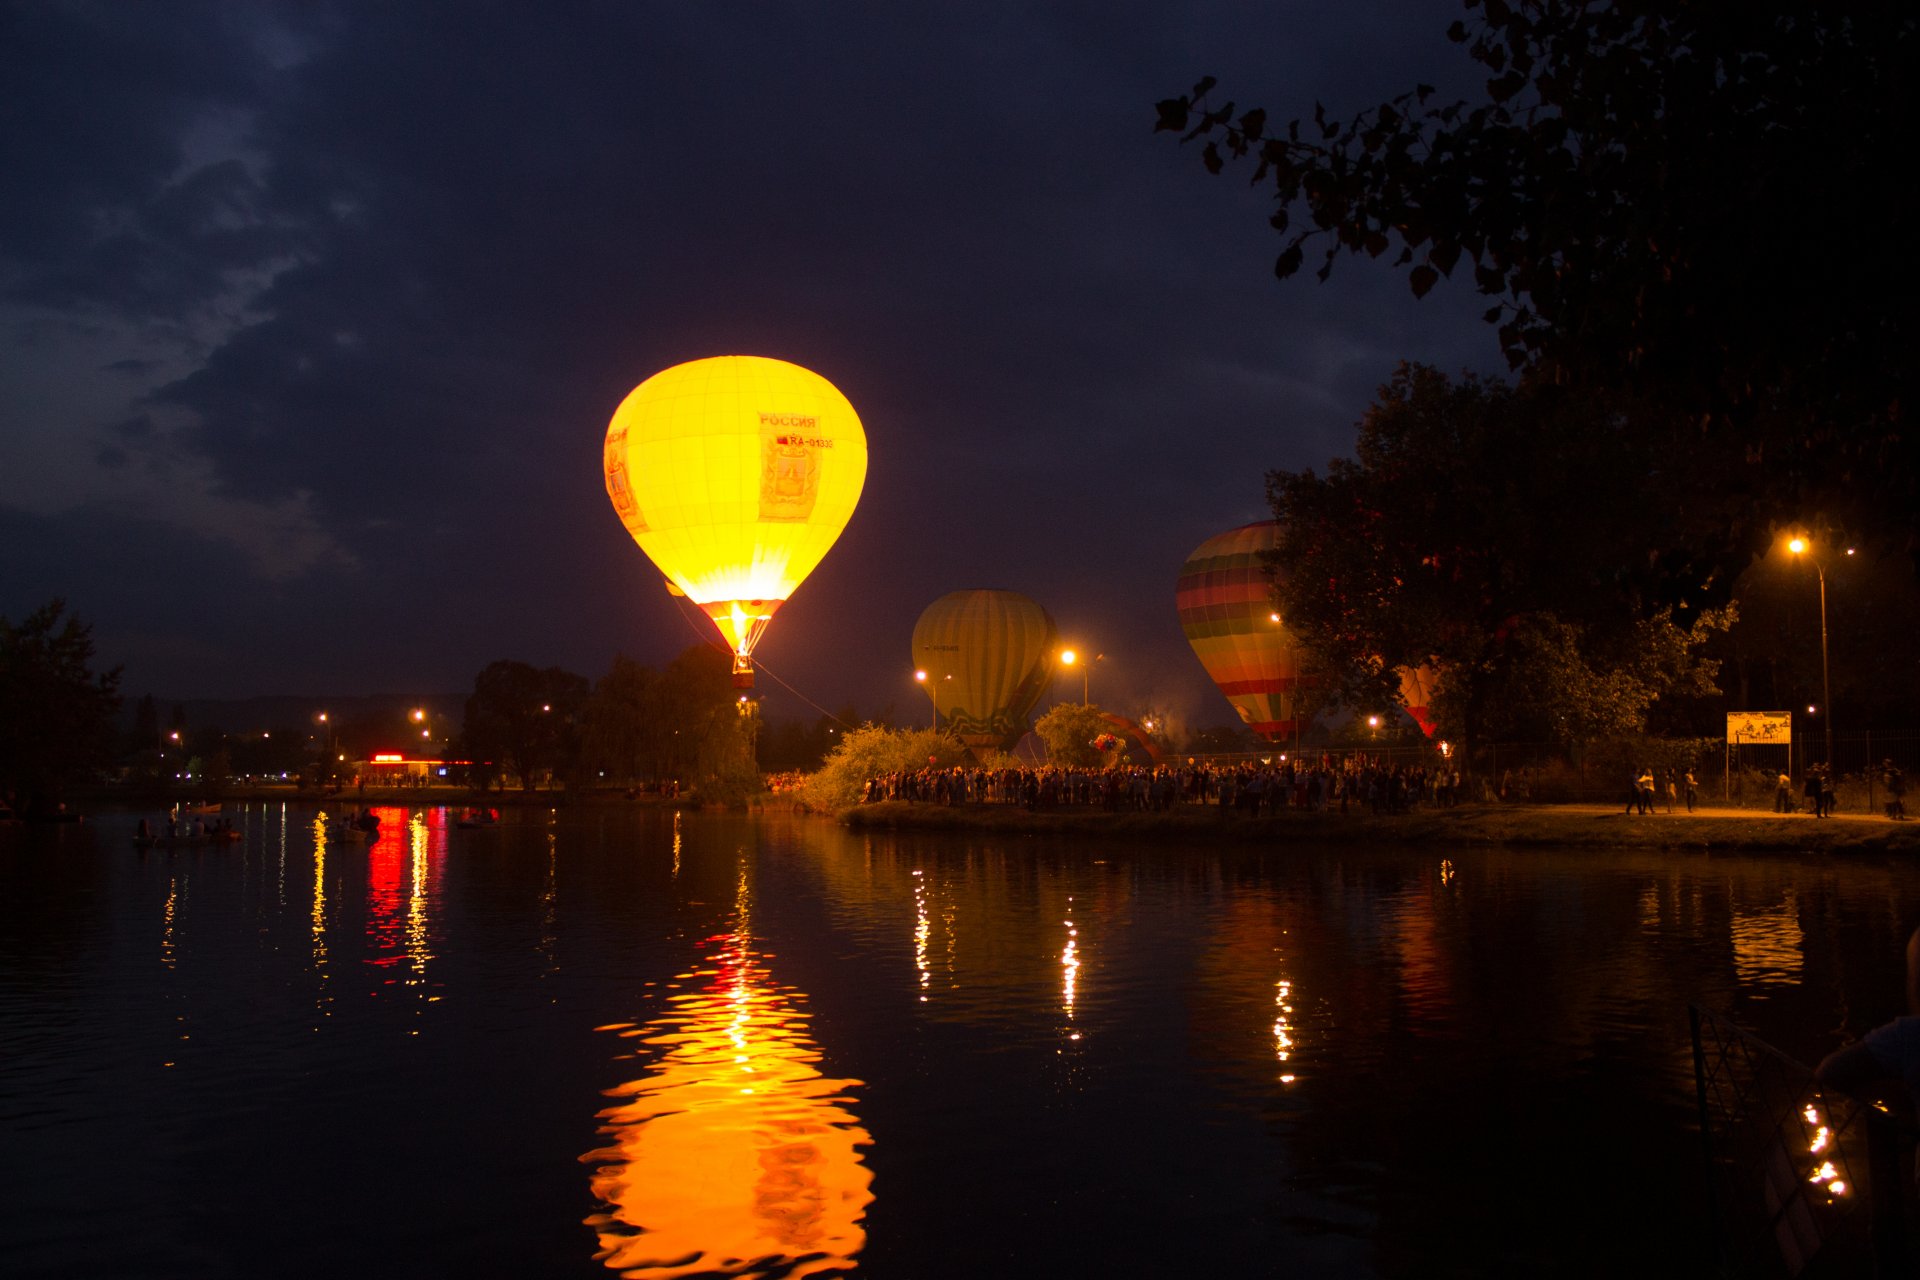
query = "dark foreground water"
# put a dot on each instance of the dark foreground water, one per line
(678, 1047)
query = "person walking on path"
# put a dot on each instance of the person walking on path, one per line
(1643, 790)
(1693, 790)
(1813, 790)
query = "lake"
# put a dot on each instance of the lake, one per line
(597, 1041)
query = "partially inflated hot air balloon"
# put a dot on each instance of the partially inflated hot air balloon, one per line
(1417, 687)
(988, 656)
(735, 474)
(1234, 627)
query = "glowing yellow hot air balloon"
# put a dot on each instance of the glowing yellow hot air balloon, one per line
(735, 474)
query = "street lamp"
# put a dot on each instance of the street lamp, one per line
(1068, 658)
(1804, 546)
(932, 695)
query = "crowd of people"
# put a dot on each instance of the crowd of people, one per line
(1356, 782)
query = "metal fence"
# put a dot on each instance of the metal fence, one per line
(1802, 1183)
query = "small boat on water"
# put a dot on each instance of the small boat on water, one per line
(473, 818)
(354, 828)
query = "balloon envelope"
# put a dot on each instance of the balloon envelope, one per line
(1234, 627)
(735, 474)
(1417, 687)
(988, 656)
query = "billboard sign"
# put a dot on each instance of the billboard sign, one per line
(1773, 728)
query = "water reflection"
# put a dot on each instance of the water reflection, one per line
(1767, 944)
(1070, 969)
(922, 931)
(734, 1156)
(317, 926)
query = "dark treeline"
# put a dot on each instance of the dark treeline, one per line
(1596, 548)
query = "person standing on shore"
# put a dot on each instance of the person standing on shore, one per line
(1783, 795)
(1693, 790)
(1814, 790)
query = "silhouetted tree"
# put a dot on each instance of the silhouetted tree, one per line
(58, 715)
(526, 717)
(1507, 538)
(1694, 208)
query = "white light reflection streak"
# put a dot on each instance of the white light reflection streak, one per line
(166, 922)
(922, 931)
(1283, 1027)
(319, 926)
(676, 844)
(549, 899)
(1070, 968)
(417, 953)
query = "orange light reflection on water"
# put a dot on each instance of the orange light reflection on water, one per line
(734, 1156)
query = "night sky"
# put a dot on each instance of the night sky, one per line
(312, 318)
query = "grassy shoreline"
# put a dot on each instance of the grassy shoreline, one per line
(1518, 825)
(1577, 826)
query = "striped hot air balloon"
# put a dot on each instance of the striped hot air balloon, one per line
(1233, 625)
(987, 657)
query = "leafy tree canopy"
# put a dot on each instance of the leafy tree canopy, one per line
(59, 715)
(1069, 730)
(1509, 537)
(525, 717)
(1696, 207)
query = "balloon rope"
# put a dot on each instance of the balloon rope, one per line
(706, 635)
(762, 669)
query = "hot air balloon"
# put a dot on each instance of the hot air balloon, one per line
(1417, 687)
(735, 474)
(1234, 627)
(988, 656)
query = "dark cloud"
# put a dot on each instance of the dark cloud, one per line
(443, 241)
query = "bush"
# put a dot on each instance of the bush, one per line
(1070, 730)
(869, 752)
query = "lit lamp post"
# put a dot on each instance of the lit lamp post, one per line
(933, 695)
(1804, 546)
(1069, 658)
